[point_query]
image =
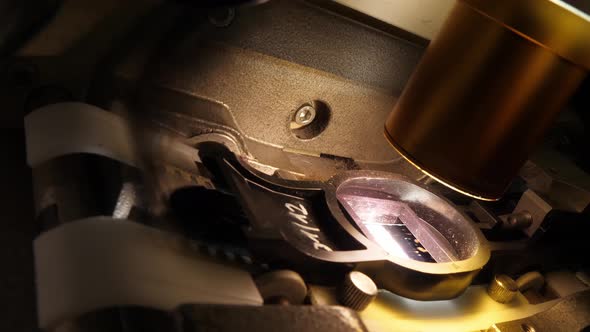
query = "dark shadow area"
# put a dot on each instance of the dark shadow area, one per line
(18, 230)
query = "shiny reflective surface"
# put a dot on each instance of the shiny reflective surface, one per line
(396, 228)
(363, 283)
(405, 220)
(384, 199)
(552, 24)
(485, 92)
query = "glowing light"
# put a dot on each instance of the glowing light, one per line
(385, 240)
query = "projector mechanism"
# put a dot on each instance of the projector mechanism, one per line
(410, 240)
(214, 169)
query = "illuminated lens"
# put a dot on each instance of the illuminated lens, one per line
(395, 226)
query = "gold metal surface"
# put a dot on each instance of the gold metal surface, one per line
(486, 90)
(474, 310)
(502, 288)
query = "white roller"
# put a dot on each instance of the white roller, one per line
(100, 262)
(65, 128)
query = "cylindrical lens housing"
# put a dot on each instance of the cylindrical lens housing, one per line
(486, 90)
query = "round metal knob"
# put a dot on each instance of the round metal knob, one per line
(358, 290)
(518, 220)
(502, 288)
(282, 287)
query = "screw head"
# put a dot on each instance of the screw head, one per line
(305, 115)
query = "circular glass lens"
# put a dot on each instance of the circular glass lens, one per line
(403, 219)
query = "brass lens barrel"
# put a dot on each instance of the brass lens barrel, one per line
(486, 90)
